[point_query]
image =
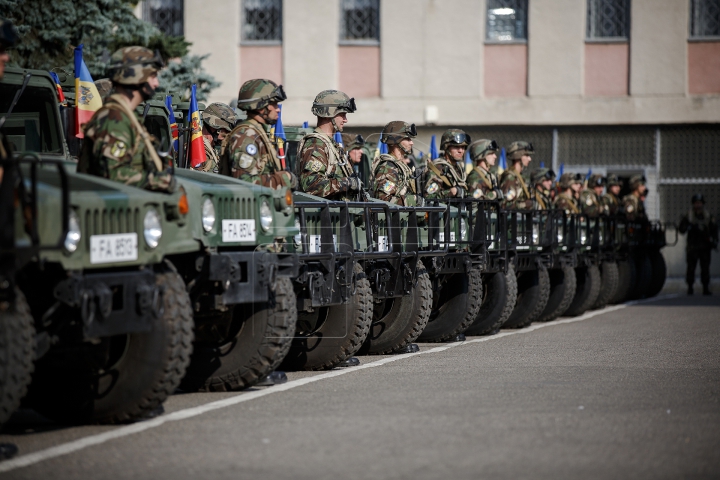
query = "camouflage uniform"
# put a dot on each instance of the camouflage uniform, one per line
(116, 145)
(702, 237)
(444, 174)
(590, 202)
(515, 191)
(352, 142)
(633, 207)
(217, 116)
(565, 200)
(323, 168)
(609, 200)
(394, 179)
(481, 182)
(248, 153)
(541, 197)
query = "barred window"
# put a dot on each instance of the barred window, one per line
(360, 21)
(608, 19)
(704, 18)
(167, 15)
(506, 20)
(261, 21)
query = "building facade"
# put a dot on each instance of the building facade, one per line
(621, 86)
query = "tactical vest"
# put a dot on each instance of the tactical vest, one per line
(459, 177)
(335, 158)
(406, 175)
(258, 127)
(570, 201)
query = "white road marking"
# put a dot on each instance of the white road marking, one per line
(92, 440)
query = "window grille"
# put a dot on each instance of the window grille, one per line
(675, 200)
(506, 20)
(690, 151)
(360, 21)
(608, 19)
(626, 146)
(167, 15)
(704, 18)
(262, 21)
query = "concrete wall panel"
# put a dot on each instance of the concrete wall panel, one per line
(658, 47)
(606, 69)
(403, 36)
(703, 67)
(261, 62)
(556, 33)
(505, 70)
(359, 71)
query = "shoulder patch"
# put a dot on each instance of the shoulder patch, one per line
(388, 187)
(477, 193)
(588, 201)
(511, 194)
(251, 149)
(246, 160)
(314, 165)
(119, 149)
(432, 188)
(629, 209)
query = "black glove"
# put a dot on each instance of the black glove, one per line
(354, 184)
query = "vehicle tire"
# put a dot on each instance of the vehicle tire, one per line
(123, 378)
(609, 280)
(659, 273)
(17, 353)
(398, 322)
(259, 337)
(499, 295)
(340, 335)
(644, 275)
(455, 307)
(586, 293)
(627, 275)
(562, 291)
(533, 294)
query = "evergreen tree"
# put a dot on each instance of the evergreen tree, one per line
(49, 30)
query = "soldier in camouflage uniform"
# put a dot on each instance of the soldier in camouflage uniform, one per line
(570, 184)
(394, 177)
(354, 145)
(633, 206)
(218, 121)
(542, 180)
(515, 191)
(323, 168)
(116, 145)
(702, 237)
(446, 175)
(590, 197)
(610, 199)
(482, 183)
(247, 152)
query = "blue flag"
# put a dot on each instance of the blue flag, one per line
(503, 159)
(542, 164)
(338, 139)
(433, 148)
(562, 168)
(306, 125)
(383, 148)
(587, 177)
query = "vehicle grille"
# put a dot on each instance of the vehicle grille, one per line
(237, 207)
(107, 221)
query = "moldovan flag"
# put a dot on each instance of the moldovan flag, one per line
(87, 97)
(173, 122)
(61, 95)
(197, 147)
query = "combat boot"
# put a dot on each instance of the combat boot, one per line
(690, 290)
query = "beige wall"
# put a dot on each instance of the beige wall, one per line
(402, 63)
(703, 67)
(261, 61)
(505, 70)
(658, 47)
(223, 63)
(556, 34)
(606, 69)
(359, 70)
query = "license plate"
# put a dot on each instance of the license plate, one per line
(383, 244)
(452, 238)
(238, 230)
(315, 243)
(121, 247)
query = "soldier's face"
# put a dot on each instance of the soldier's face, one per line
(273, 111)
(340, 121)
(576, 187)
(526, 159)
(615, 190)
(491, 158)
(598, 190)
(4, 58)
(222, 134)
(407, 144)
(355, 155)
(698, 206)
(547, 184)
(457, 152)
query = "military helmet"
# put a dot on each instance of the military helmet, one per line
(453, 137)
(698, 197)
(259, 93)
(596, 180)
(8, 34)
(479, 149)
(329, 103)
(516, 150)
(351, 142)
(636, 181)
(568, 179)
(133, 65)
(219, 116)
(613, 180)
(397, 131)
(104, 86)
(540, 175)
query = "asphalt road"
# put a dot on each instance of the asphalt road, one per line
(632, 392)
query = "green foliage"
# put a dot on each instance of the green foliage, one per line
(179, 76)
(49, 30)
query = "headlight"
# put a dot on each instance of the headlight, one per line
(208, 215)
(152, 229)
(72, 239)
(536, 234)
(560, 236)
(583, 237)
(266, 218)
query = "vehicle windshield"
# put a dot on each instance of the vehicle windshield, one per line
(32, 125)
